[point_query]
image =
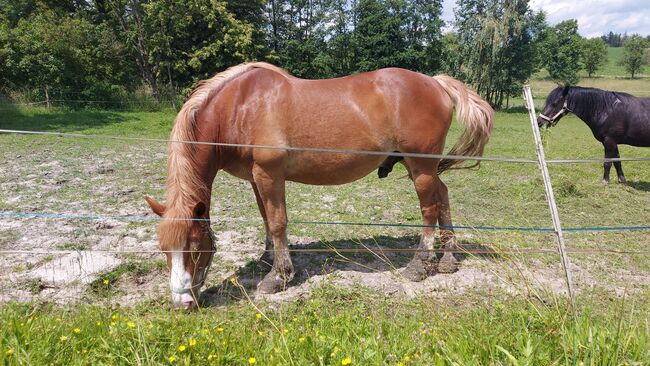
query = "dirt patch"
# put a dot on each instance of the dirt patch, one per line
(108, 183)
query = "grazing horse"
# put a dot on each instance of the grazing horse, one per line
(260, 104)
(613, 117)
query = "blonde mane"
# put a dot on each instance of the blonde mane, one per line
(184, 185)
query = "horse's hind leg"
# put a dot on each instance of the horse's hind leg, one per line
(271, 191)
(267, 257)
(425, 179)
(448, 263)
(618, 166)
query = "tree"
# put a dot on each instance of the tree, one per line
(563, 52)
(183, 41)
(496, 43)
(594, 55)
(88, 61)
(633, 54)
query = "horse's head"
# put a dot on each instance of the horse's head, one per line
(188, 242)
(555, 108)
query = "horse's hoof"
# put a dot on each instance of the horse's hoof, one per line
(622, 180)
(448, 264)
(416, 270)
(605, 181)
(273, 283)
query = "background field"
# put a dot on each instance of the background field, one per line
(503, 307)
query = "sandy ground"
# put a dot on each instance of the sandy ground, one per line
(84, 250)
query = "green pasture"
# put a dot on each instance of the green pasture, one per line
(331, 327)
(354, 325)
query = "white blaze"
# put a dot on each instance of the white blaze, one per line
(180, 279)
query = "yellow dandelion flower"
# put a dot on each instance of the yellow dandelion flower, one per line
(210, 357)
(233, 280)
(63, 338)
(346, 361)
(295, 319)
(285, 331)
(130, 324)
(105, 282)
(9, 352)
(99, 324)
(192, 342)
(407, 358)
(400, 364)
(77, 330)
(301, 339)
(114, 316)
(113, 324)
(171, 359)
(125, 319)
(258, 316)
(219, 329)
(252, 360)
(181, 348)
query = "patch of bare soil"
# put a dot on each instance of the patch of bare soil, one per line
(92, 248)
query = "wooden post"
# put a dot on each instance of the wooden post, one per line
(541, 157)
(47, 98)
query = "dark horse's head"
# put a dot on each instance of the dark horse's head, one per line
(555, 108)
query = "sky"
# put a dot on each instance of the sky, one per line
(595, 17)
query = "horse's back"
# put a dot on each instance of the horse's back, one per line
(384, 110)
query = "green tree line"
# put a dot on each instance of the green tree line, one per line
(111, 49)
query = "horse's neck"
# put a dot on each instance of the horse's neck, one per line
(585, 116)
(190, 177)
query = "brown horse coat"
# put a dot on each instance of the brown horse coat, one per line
(259, 104)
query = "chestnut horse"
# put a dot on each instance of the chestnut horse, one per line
(257, 103)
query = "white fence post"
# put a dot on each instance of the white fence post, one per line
(528, 98)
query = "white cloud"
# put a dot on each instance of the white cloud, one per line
(595, 17)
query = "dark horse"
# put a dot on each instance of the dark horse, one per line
(260, 104)
(613, 117)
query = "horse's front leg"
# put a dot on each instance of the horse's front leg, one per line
(267, 258)
(271, 191)
(609, 153)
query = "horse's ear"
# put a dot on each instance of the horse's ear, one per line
(157, 208)
(199, 210)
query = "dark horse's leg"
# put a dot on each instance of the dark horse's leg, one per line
(611, 151)
(267, 257)
(272, 194)
(618, 166)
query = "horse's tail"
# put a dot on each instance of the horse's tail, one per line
(473, 112)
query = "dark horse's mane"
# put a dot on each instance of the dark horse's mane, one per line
(590, 103)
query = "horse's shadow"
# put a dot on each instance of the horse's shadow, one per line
(377, 254)
(640, 186)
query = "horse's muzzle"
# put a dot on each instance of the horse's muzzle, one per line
(184, 301)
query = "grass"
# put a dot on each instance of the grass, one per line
(105, 284)
(484, 326)
(331, 326)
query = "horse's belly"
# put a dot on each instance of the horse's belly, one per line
(318, 169)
